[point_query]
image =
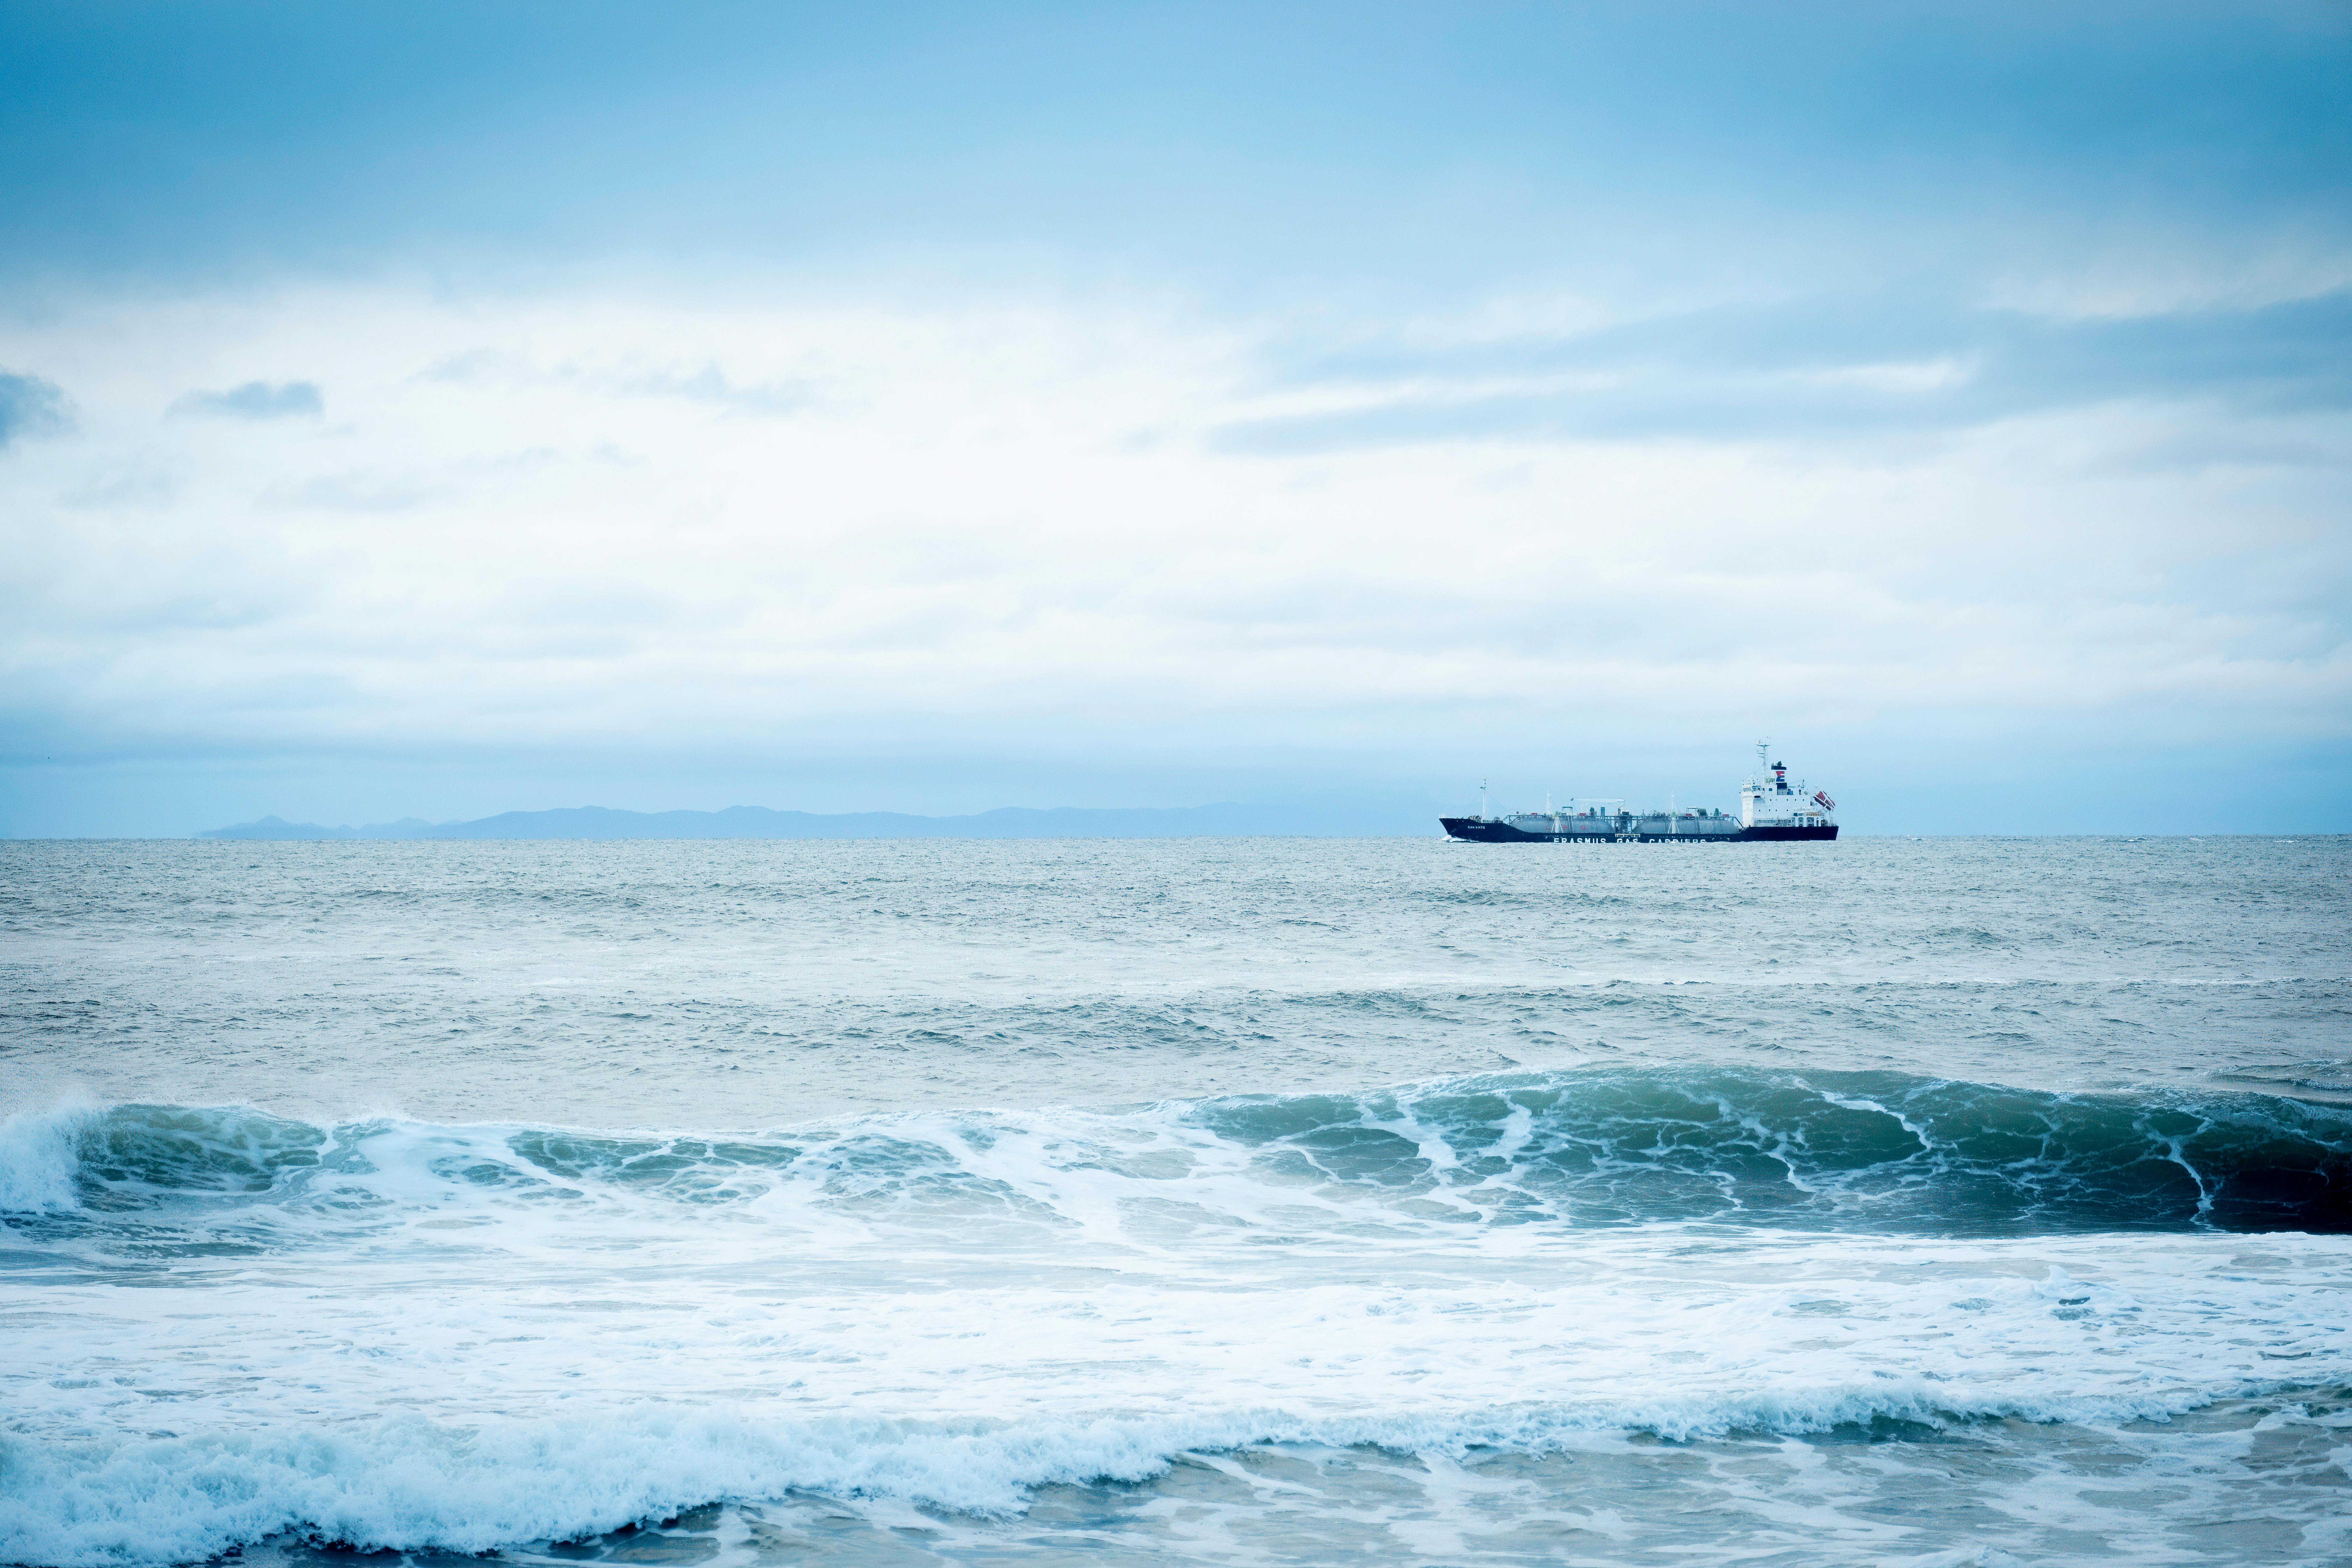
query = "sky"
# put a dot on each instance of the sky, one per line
(418, 409)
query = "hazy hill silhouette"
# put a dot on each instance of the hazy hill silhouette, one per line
(1229, 820)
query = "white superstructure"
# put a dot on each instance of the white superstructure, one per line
(1769, 800)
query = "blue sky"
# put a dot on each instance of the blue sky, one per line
(439, 410)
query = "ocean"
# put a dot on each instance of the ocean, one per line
(1239, 1202)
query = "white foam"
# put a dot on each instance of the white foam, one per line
(565, 1375)
(408, 1483)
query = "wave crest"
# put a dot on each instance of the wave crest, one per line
(1874, 1151)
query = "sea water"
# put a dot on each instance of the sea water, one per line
(1237, 1202)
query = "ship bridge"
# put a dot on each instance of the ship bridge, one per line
(1769, 800)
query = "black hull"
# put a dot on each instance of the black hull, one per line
(1478, 831)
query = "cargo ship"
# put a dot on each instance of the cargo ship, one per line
(1771, 811)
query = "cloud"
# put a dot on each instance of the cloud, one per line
(363, 492)
(472, 367)
(959, 552)
(256, 400)
(710, 385)
(132, 484)
(1813, 368)
(30, 407)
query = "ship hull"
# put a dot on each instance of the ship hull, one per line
(1477, 830)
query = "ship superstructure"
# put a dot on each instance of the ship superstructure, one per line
(1772, 810)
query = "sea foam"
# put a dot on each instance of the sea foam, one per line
(41, 1154)
(404, 1482)
(401, 1335)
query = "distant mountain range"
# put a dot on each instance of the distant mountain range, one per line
(1375, 819)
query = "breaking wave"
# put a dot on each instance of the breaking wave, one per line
(394, 1333)
(1876, 1152)
(408, 1483)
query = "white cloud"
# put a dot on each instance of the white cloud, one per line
(804, 515)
